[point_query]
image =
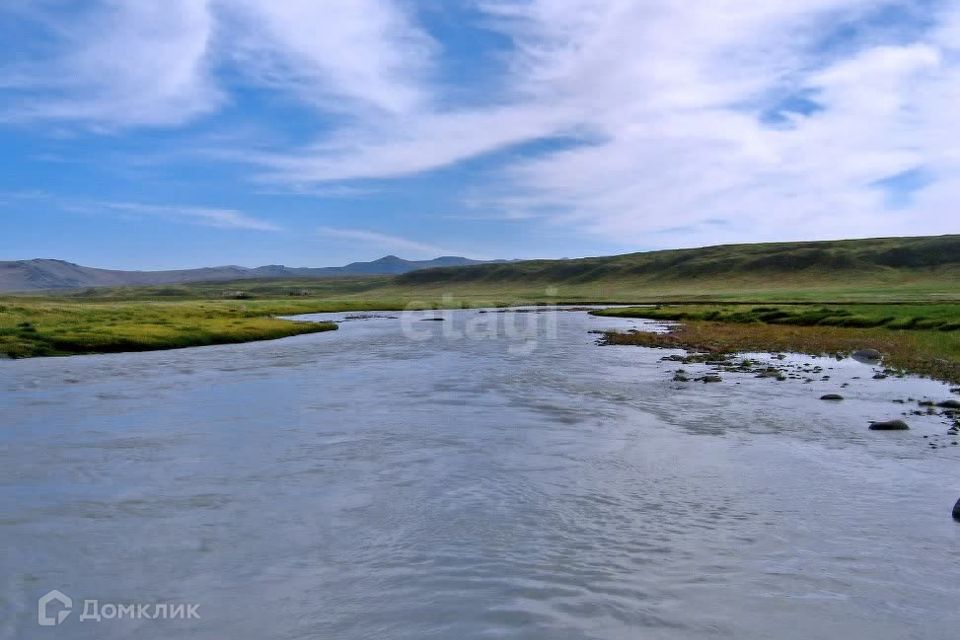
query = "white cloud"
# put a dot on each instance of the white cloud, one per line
(678, 94)
(412, 145)
(383, 241)
(676, 100)
(203, 216)
(343, 56)
(154, 62)
(697, 122)
(119, 64)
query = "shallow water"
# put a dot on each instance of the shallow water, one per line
(392, 480)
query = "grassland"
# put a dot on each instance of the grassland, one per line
(48, 328)
(120, 319)
(868, 288)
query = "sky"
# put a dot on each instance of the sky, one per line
(151, 134)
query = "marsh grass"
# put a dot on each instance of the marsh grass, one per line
(30, 328)
(924, 352)
(940, 317)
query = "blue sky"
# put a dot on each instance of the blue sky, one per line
(180, 133)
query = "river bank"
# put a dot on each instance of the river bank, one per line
(915, 347)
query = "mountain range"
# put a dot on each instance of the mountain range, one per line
(42, 273)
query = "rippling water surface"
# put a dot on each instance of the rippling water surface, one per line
(366, 484)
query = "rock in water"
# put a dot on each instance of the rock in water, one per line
(889, 425)
(949, 404)
(956, 511)
(831, 396)
(867, 354)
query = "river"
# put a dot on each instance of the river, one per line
(491, 475)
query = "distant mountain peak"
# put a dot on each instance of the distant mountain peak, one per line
(50, 273)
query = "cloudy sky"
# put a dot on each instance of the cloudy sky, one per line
(175, 133)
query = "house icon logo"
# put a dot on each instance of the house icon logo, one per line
(46, 620)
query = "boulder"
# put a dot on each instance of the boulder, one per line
(949, 404)
(831, 396)
(711, 378)
(956, 511)
(889, 425)
(867, 354)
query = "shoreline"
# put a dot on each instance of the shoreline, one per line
(904, 352)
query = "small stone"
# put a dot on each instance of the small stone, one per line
(711, 378)
(889, 425)
(831, 396)
(770, 373)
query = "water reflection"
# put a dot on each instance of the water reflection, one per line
(360, 483)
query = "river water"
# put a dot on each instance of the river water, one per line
(398, 479)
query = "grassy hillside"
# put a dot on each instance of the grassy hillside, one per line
(884, 268)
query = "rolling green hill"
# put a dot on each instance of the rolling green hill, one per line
(880, 261)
